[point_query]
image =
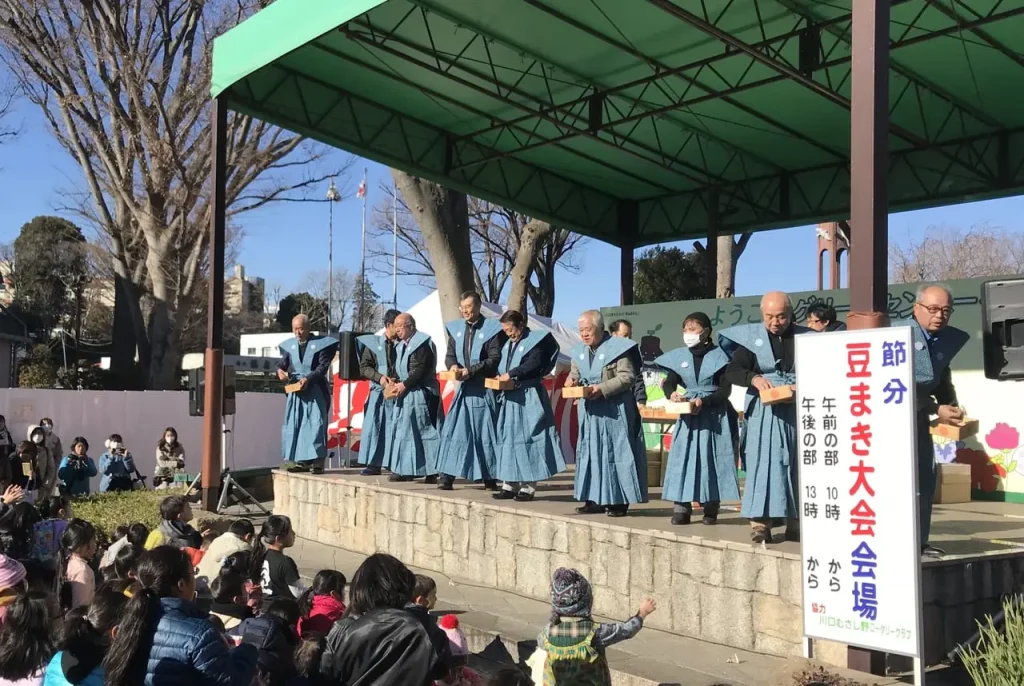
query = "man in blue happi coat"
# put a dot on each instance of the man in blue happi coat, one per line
(936, 343)
(306, 360)
(611, 462)
(762, 356)
(624, 329)
(413, 438)
(377, 365)
(468, 437)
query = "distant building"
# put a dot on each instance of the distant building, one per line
(242, 294)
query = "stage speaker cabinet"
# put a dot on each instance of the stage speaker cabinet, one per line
(348, 356)
(197, 391)
(1002, 316)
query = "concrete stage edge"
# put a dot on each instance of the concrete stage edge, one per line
(709, 583)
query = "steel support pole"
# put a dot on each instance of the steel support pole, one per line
(869, 162)
(626, 275)
(628, 225)
(214, 391)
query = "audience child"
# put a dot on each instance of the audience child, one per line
(7, 450)
(170, 459)
(238, 538)
(575, 644)
(509, 675)
(461, 674)
(75, 585)
(45, 464)
(163, 638)
(47, 532)
(379, 641)
(273, 633)
(276, 573)
(307, 661)
(423, 599)
(241, 562)
(117, 468)
(76, 469)
(17, 526)
(174, 530)
(84, 641)
(229, 599)
(12, 582)
(322, 604)
(25, 470)
(123, 566)
(135, 535)
(26, 639)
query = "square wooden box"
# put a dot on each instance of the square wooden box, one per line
(572, 392)
(956, 432)
(293, 387)
(778, 394)
(670, 411)
(447, 376)
(496, 385)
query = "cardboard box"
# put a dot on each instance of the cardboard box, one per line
(572, 392)
(293, 387)
(956, 432)
(952, 483)
(496, 385)
(447, 376)
(669, 411)
(778, 394)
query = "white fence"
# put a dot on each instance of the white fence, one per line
(254, 438)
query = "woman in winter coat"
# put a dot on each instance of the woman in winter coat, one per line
(170, 459)
(46, 463)
(7, 449)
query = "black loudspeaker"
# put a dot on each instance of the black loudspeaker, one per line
(1002, 316)
(197, 391)
(348, 356)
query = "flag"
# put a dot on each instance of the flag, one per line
(361, 193)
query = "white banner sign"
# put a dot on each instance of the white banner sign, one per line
(858, 505)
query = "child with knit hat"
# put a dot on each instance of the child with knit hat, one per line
(12, 582)
(461, 674)
(573, 641)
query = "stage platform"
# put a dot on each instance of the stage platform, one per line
(710, 582)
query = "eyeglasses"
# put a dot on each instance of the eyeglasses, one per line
(934, 310)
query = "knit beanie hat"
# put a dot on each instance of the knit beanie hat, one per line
(571, 595)
(12, 572)
(456, 639)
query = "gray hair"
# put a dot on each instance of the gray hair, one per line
(927, 286)
(595, 318)
(300, 318)
(412, 320)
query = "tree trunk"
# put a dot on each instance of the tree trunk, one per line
(729, 253)
(530, 244)
(443, 218)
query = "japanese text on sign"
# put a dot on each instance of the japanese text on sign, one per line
(856, 428)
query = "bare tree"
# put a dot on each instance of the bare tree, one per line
(946, 253)
(7, 95)
(124, 89)
(729, 252)
(344, 287)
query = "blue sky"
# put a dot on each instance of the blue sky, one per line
(35, 173)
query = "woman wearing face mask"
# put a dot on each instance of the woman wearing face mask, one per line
(52, 440)
(7, 451)
(46, 463)
(170, 459)
(702, 462)
(116, 466)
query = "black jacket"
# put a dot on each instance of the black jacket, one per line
(385, 647)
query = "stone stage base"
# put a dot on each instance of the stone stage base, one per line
(710, 582)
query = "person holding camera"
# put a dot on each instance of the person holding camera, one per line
(76, 469)
(117, 468)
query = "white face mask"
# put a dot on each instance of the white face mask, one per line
(47, 428)
(37, 439)
(692, 339)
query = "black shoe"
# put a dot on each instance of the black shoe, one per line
(491, 485)
(681, 518)
(710, 512)
(504, 494)
(617, 511)
(317, 470)
(298, 468)
(432, 479)
(590, 507)
(446, 484)
(793, 536)
(370, 471)
(395, 478)
(524, 497)
(931, 551)
(710, 521)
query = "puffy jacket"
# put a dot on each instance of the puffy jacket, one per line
(224, 545)
(55, 672)
(384, 647)
(324, 611)
(116, 467)
(188, 651)
(276, 643)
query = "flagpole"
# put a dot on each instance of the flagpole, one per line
(362, 260)
(394, 255)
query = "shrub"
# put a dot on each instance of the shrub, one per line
(107, 511)
(998, 657)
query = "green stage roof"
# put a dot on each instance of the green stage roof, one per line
(635, 120)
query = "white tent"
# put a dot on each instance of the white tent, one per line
(427, 313)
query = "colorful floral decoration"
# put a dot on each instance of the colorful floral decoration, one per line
(985, 475)
(946, 450)
(1004, 439)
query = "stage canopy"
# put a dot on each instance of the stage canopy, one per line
(643, 121)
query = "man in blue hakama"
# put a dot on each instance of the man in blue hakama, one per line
(377, 365)
(468, 436)
(935, 345)
(762, 356)
(611, 461)
(702, 461)
(306, 360)
(413, 439)
(528, 446)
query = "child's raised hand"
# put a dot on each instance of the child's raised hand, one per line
(13, 494)
(647, 607)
